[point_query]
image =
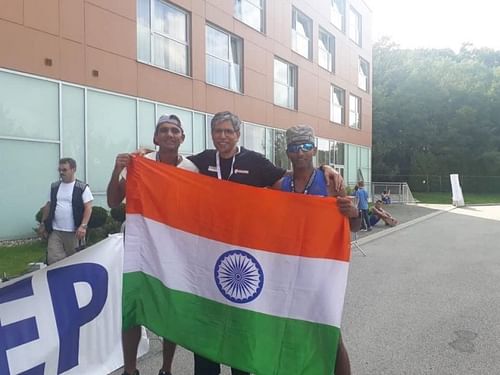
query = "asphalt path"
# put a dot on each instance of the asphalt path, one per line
(425, 299)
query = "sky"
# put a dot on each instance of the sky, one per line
(437, 23)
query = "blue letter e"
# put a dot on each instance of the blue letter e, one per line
(70, 317)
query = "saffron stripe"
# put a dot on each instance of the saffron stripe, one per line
(204, 206)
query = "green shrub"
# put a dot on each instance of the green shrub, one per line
(98, 217)
(109, 226)
(118, 213)
(39, 214)
(100, 224)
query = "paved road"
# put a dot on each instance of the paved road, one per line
(425, 300)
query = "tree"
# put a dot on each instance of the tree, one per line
(435, 111)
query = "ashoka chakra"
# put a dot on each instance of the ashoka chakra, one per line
(238, 276)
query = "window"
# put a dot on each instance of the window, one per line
(20, 96)
(250, 12)
(146, 124)
(354, 112)
(208, 131)
(363, 74)
(323, 153)
(301, 34)
(337, 105)
(337, 14)
(337, 154)
(280, 156)
(355, 26)
(285, 84)
(224, 52)
(199, 132)
(21, 198)
(162, 35)
(326, 50)
(254, 138)
(108, 114)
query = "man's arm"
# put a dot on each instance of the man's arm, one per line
(383, 214)
(347, 208)
(386, 214)
(116, 185)
(334, 181)
(81, 231)
(355, 223)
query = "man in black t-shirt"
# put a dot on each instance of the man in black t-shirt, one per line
(237, 164)
(233, 163)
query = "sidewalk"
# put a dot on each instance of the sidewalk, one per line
(424, 301)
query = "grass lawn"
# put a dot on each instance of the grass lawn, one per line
(14, 260)
(445, 198)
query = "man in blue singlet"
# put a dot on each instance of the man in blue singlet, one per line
(306, 179)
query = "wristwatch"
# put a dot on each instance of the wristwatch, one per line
(84, 226)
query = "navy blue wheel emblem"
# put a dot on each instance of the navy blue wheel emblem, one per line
(238, 276)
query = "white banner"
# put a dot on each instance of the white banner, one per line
(456, 191)
(66, 318)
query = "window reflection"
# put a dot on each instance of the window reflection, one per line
(163, 40)
(337, 13)
(285, 86)
(301, 34)
(326, 50)
(250, 12)
(337, 104)
(223, 62)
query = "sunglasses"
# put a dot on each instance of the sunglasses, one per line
(304, 147)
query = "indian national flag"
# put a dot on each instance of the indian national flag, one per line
(248, 277)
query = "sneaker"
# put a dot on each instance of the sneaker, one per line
(369, 229)
(161, 372)
(363, 230)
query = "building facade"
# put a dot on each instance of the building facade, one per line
(87, 79)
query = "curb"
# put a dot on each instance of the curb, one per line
(376, 236)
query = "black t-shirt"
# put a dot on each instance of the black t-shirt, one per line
(250, 167)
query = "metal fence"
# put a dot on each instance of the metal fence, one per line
(441, 183)
(399, 192)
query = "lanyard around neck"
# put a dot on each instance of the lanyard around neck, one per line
(308, 185)
(179, 159)
(217, 162)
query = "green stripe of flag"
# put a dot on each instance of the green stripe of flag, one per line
(247, 340)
